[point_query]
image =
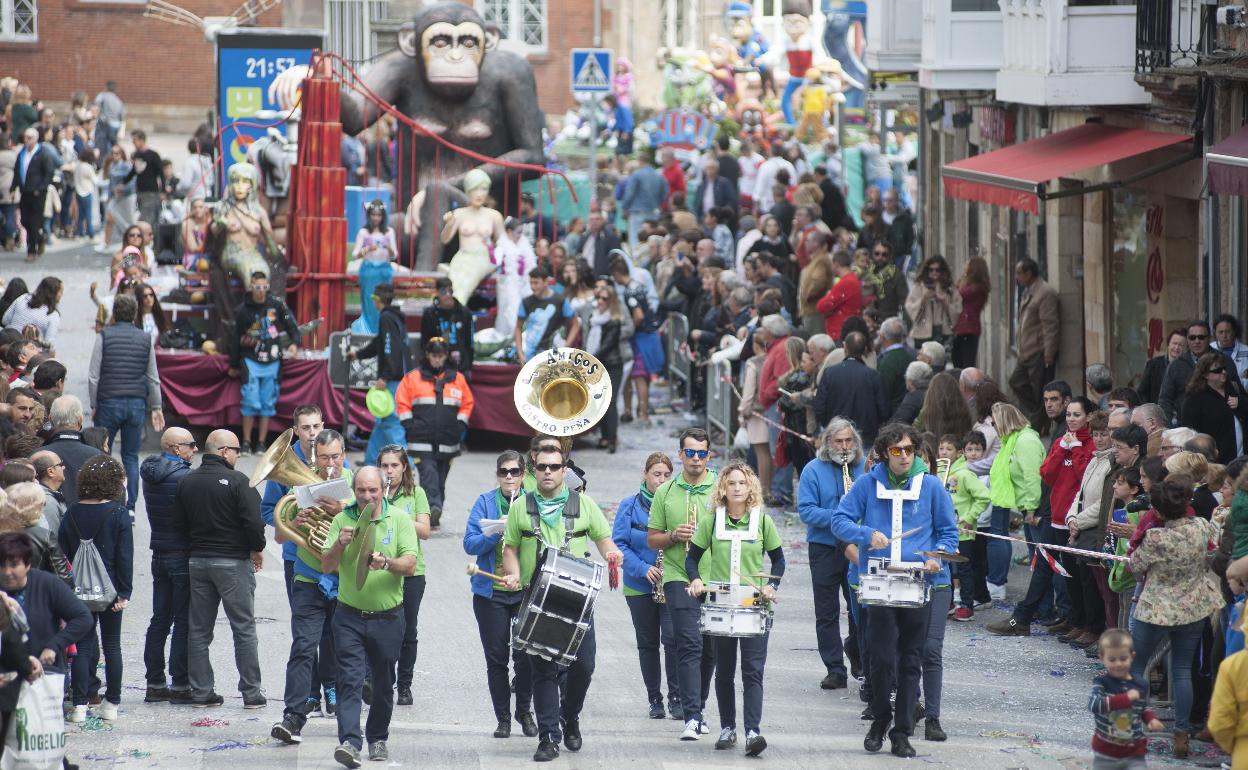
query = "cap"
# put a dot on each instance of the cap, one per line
(436, 345)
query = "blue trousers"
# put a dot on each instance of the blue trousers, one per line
(125, 415)
(310, 610)
(171, 602)
(934, 649)
(999, 550)
(828, 568)
(753, 660)
(324, 668)
(366, 643)
(1183, 643)
(652, 626)
(559, 691)
(794, 83)
(386, 430)
(686, 613)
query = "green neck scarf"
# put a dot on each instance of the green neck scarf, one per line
(917, 468)
(696, 489)
(504, 504)
(647, 497)
(550, 509)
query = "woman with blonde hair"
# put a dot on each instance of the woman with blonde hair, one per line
(1195, 465)
(1015, 484)
(22, 511)
(750, 411)
(813, 282)
(609, 331)
(737, 500)
(20, 114)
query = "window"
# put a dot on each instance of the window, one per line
(18, 20)
(521, 21)
(349, 24)
(975, 6)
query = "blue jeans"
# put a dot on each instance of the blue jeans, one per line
(84, 665)
(86, 221)
(8, 222)
(1183, 643)
(934, 649)
(171, 602)
(125, 415)
(387, 430)
(999, 550)
(366, 644)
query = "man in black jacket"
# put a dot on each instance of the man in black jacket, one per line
(853, 390)
(220, 513)
(389, 347)
(448, 319)
(66, 440)
(171, 576)
(259, 323)
(32, 173)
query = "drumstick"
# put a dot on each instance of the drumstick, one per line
(474, 570)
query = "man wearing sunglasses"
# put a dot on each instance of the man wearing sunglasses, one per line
(1179, 372)
(536, 522)
(890, 284)
(678, 506)
(897, 496)
(171, 577)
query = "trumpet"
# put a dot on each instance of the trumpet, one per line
(282, 465)
(943, 468)
(659, 595)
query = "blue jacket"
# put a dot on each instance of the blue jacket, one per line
(273, 492)
(861, 512)
(160, 474)
(819, 492)
(481, 545)
(644, 191)
(629, 533)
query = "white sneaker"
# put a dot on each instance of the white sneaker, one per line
(78, 715)
(106, 711)
(997, 592)
(691, 731)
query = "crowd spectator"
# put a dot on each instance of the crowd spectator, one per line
(1038, 336)
(973, 287)
(34, 170)
(933, 305)
(1226, 334)
(67, 443)
(147, 171)
(1179, 373)
(38, 311)
(1214, 406)
(900, 223)
(645, 193)
(917, 377)
(853, 390)
(895, 357)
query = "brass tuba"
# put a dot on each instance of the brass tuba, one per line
(562, 392)
(281, 464)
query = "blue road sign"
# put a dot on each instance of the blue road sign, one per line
(592, 69)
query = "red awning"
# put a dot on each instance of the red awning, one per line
(1016, 176)
(1228, 164)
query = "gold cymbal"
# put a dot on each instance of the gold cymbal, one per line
(949, 556)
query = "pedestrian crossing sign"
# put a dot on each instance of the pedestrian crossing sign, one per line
(591, 70)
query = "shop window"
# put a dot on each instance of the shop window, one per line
(522, 22)
(19, 20)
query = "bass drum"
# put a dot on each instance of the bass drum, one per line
(558, 606)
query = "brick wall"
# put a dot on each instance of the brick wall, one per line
(82, 44)
(569, 24)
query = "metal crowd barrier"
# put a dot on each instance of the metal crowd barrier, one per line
(721, 402)
(678, 364)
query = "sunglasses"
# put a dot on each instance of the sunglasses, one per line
(1197, 337)
(898, 451)
(1217, 371)
(698, 453)
(548, 467)
(509, 472)
(231, 448)
(191, 444)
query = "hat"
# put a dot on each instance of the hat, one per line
(379, 402)
(436, 345)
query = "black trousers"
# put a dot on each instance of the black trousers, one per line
(973, 573)
(1087, 609)
(557, 699)
(965, 350)
(1027, 381)
(494, 619)
(753, 660)
(1041, 584)
(324, 666)
(652, 626)
(828, 569)
(695, 658)
(31, 207)
(366, 643)
(433, 469)
(413, 592)
(896, 636)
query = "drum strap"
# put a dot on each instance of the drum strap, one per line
(736, 537)
(571, 510)
(898, 499)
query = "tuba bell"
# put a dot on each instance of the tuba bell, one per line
(282, 465)
(562, 392)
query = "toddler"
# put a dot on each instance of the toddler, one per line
(1118, 708)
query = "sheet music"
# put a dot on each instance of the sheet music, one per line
(491, 527)
(334, 489)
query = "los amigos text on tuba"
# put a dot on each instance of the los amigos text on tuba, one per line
(562, 392)
(282, 465)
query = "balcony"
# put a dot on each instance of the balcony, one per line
(1062, 53)
(894, 29)
(1167, 35)
(961, 45)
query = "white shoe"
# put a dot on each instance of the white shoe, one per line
(106, 711)
(78, 715)
(997, 592)
(691, 731)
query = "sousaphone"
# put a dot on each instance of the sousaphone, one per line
(562, 392)
(282, 465)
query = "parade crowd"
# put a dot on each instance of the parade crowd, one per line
(853, 355)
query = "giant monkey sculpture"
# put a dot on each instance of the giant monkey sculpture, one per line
(447, 76)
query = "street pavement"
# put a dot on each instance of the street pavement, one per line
(1008, 703)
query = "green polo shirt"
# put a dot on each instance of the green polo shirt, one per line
(716, 564)
(589, 519)
(670, 509)
(529, 482)
(413, 505)
(306, 556)
(395, 537)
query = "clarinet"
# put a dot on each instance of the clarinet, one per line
(659, 595)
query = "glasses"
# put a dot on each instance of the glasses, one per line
(548, 467)
(510, 472)
(898, 451)
(191, 444)
(698, 453)
(1197, 337)
(1217, 371)
(135, 235)
(231, 448)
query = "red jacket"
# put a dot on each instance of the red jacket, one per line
(843, 300)
(775, 364)
(1063, 470)
(675, 183)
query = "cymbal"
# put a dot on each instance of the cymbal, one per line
(949, 556)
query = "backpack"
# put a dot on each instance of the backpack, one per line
(92, 585)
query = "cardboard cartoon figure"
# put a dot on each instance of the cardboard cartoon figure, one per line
(798, 51)
(752, 46)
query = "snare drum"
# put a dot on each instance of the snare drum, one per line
(558, 607)
(892, 588)
(728, 620)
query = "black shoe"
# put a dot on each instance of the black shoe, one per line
(875, 736)
(901, 746)
(367, 694)
(867, 714)
(181, 697)
(212, 701)
(504, 729)
(258, 702)
(405, 697)
(833, 682)
(546, 752)
(527, 724)
(675, 710)
(156, 695)
(656, 709)
(932, 730)
(435, 521)
(244, 448)
(855, 667)
(288, 730)
(919, 712)
(754, 744)
(572, 735)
